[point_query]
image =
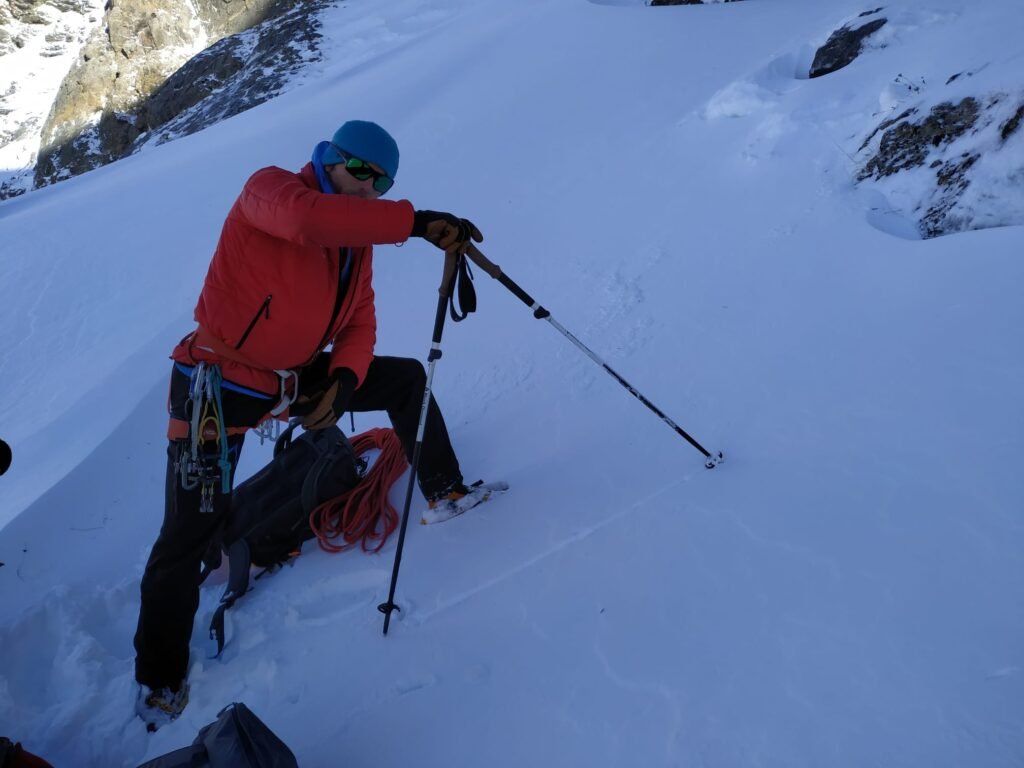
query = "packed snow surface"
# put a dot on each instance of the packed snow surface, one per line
(845, 590)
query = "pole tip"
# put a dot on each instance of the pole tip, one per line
(386, 609)
(714, 460)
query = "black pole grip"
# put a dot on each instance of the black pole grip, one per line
(494, 271)
(451, 263)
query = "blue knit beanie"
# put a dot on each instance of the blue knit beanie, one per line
(367, 141)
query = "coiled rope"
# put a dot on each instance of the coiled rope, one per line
(363, 515)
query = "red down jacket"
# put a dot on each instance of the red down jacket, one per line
(270, 294)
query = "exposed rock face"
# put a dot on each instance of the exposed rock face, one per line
(90, 123)
(1010, 126)
(25, 11)
(123, 84)
(40, 38)
(843, 46)
(232, 76)
(939, 160)
(221, 18)
(951, 180)
(109, 77)
(907, 145)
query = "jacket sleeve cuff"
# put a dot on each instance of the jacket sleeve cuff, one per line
(345, 362)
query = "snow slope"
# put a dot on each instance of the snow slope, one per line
(845, 590)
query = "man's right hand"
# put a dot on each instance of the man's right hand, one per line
(449, 233)
(325, 408)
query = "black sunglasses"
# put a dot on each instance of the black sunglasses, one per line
(362, 170)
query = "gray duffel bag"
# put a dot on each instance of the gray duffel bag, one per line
(236, 739)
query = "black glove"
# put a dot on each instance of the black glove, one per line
(447, 232)
(332, 403)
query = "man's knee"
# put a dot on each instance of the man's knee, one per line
(408, 370)
(414, 371)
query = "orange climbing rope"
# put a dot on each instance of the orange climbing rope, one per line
(364, 515)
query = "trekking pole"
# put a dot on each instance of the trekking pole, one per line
(492, 269)
(451, 263)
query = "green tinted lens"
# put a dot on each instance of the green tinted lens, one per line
(361, 171)
(359, 168)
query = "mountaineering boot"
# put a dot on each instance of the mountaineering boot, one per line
(159, 707)
(461, 499)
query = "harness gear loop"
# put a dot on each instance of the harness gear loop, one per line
(286, 398)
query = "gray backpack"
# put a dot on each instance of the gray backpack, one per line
(236, 739)
(270, 511)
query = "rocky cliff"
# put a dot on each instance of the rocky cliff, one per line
(39, 40)
(120, 89)
(154, 69)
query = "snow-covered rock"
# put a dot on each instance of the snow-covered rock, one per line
(964, 161)
(844, 45)
(38, 43)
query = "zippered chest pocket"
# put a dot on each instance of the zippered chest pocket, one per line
(262, 312)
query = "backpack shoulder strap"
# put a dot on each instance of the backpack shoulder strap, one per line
(327, 443)
(238, 585)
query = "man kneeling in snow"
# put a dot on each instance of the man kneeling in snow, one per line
(291, 275)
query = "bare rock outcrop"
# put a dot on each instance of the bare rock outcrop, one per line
(844, 45)
(233, 75)
(950, 160)
(907, 144)
(90, 123)
(39, 39)
(123, 85)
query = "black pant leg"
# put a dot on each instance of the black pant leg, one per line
(395, 385)
(170, 584)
